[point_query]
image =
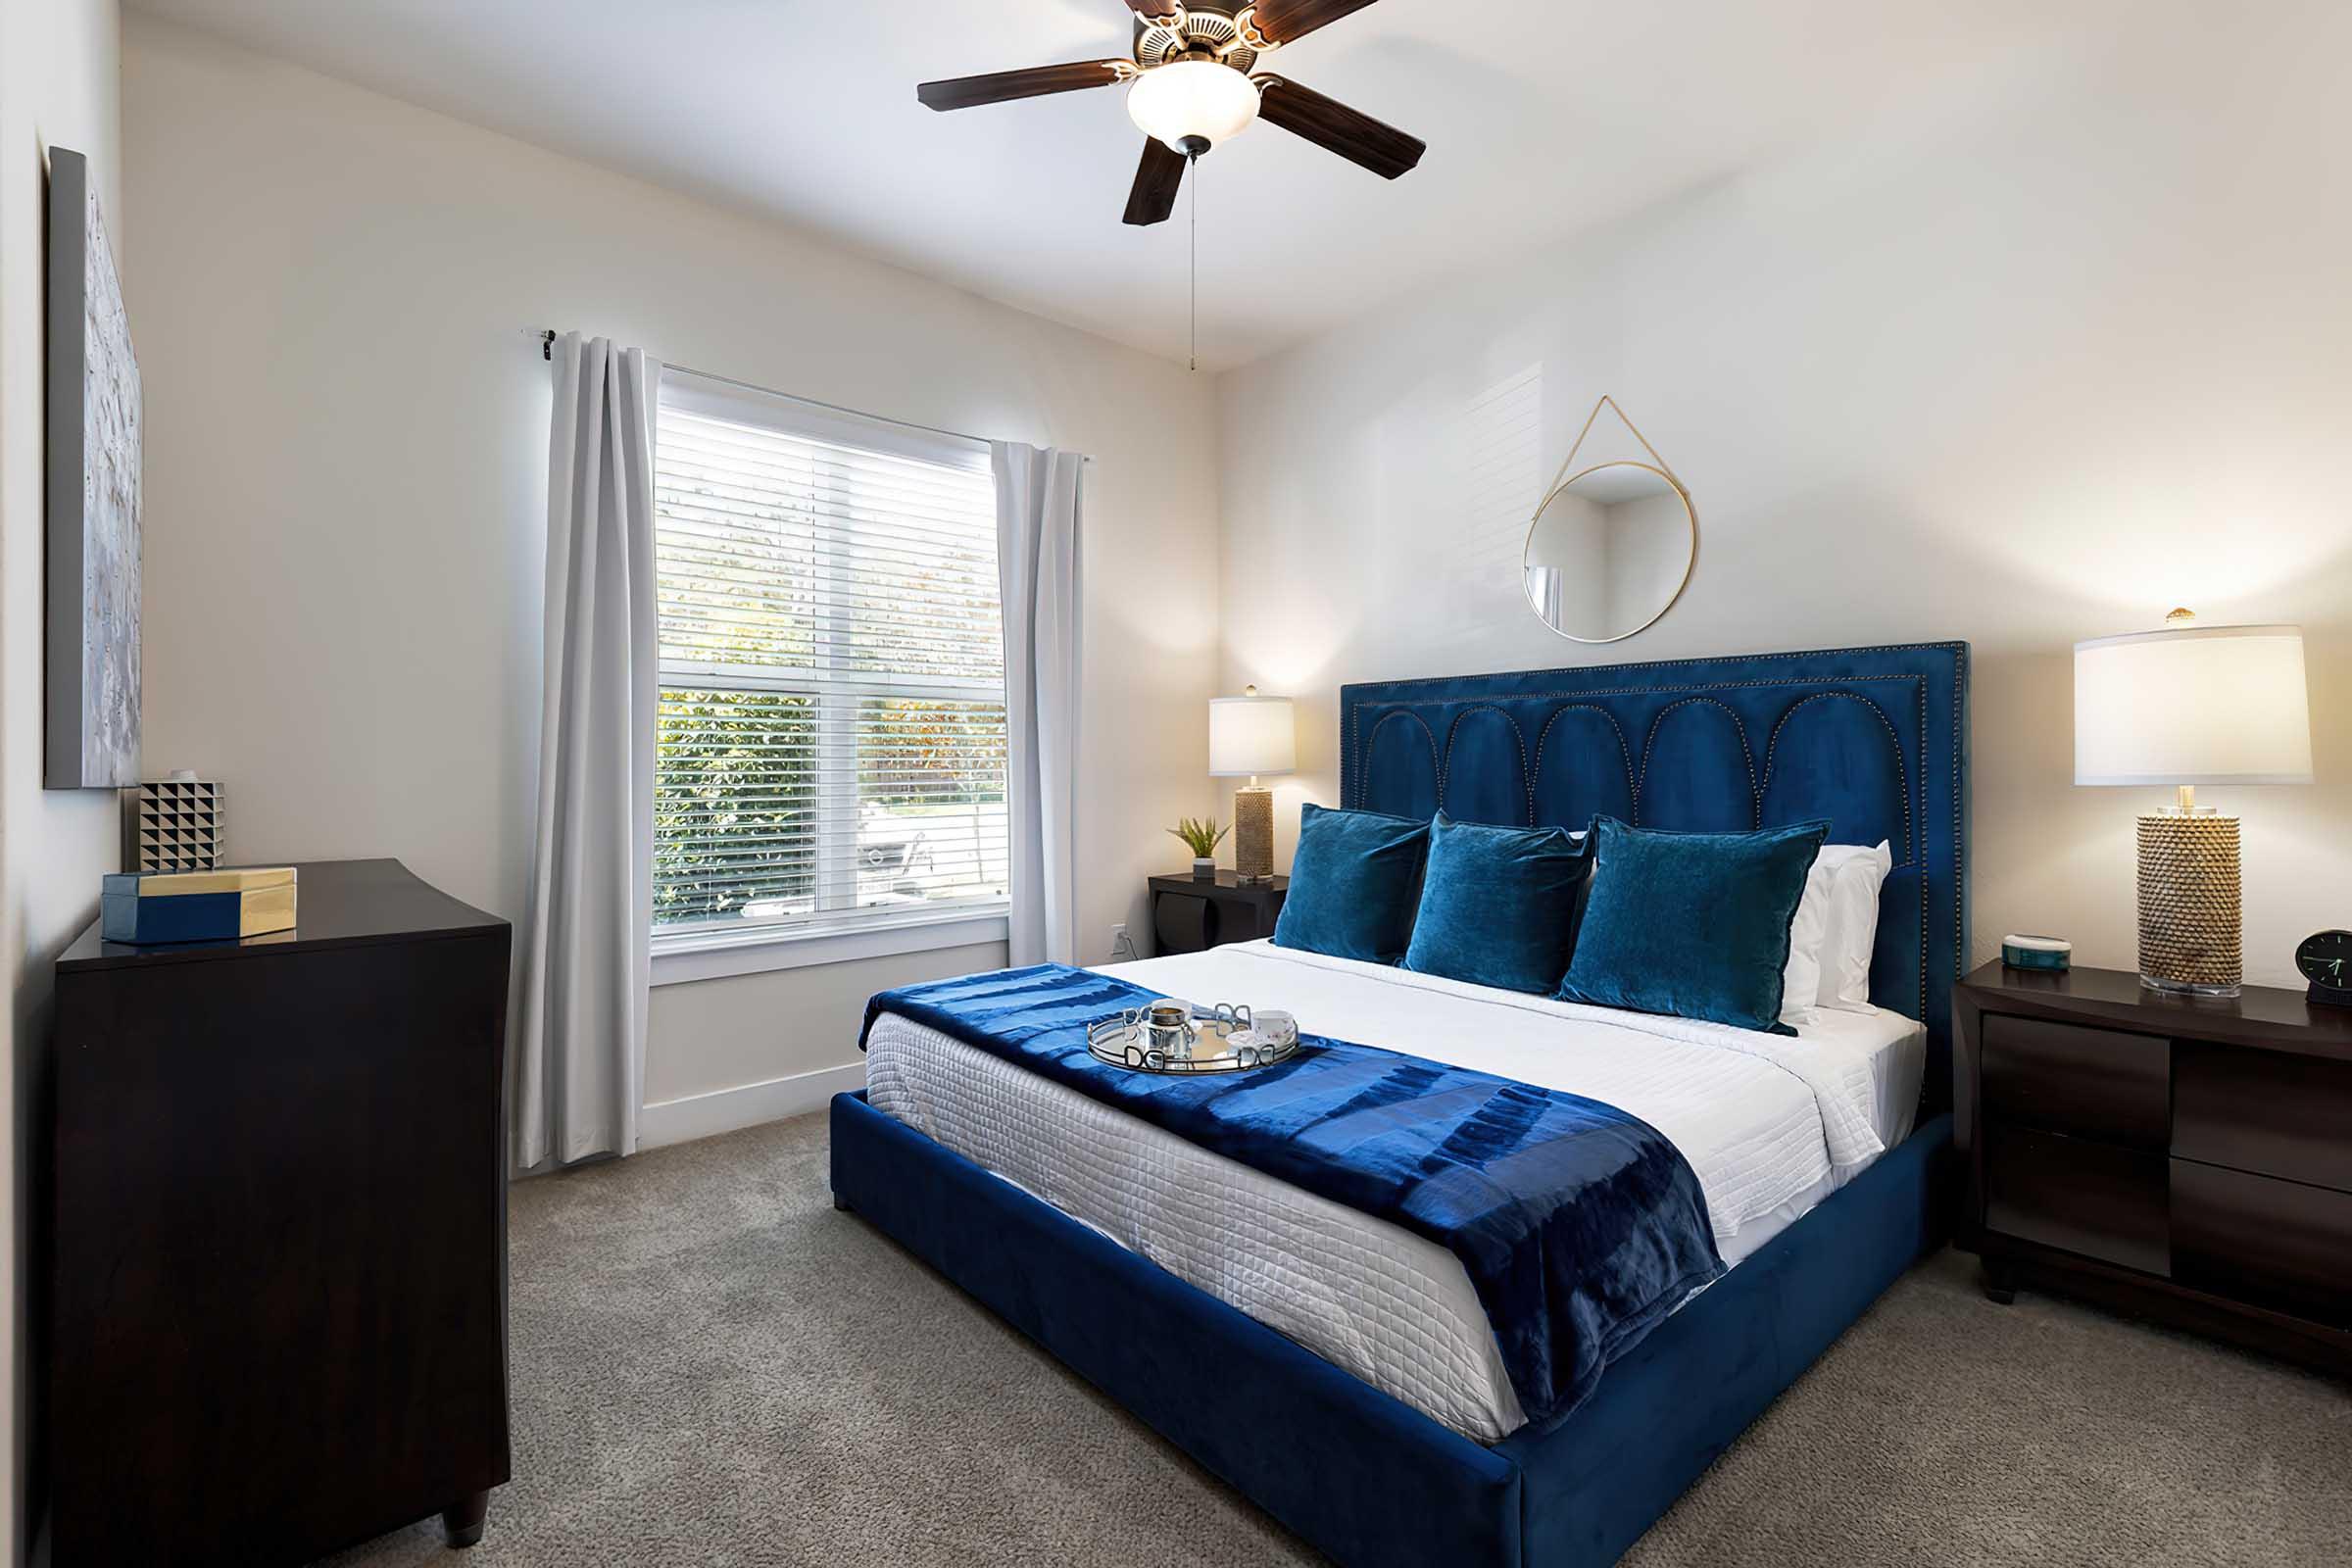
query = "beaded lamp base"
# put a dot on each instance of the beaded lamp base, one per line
(1253, 834)
(2190, 920)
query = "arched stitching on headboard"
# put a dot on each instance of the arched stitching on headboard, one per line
(1518, 738)
(1747, 757)
(1351, 739)
(1436, 769)
(1625, 755)
(1894, 737)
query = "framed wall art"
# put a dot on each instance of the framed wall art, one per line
(94, 457)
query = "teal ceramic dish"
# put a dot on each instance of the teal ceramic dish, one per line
(2049, 954)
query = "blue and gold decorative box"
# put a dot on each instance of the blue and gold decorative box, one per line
(2049, 954)
(151, 907)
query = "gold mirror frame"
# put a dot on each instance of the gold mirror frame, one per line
(1566, 481)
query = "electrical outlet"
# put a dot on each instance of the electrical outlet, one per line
(1120, 945)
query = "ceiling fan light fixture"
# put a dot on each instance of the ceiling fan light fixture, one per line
(1191, 101)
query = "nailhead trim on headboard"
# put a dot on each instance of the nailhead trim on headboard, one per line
(1747, 758)
(1518, 738)
(1625, 754)
(1772, 749)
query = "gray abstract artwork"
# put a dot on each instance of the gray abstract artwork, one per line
(94, 458)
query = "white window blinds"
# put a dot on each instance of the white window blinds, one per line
(832, 726)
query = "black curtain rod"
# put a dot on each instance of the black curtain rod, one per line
(547, 351)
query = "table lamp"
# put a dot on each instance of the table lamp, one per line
(2187, 705)
(1247, 736)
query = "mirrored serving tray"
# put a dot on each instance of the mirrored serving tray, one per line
(1176, 1037)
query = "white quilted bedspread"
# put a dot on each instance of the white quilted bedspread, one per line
(1769, 1124)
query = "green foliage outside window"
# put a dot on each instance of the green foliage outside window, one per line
(778, 557)
(734, 800)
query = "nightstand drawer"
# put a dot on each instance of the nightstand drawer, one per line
(2098, 1200)
(2211, 1186)
(2281, 1244)
(2270, 1113)
(2090, 1082)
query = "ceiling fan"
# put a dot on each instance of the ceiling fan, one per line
(1194, 85)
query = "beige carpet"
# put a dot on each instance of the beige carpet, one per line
(711, 1366)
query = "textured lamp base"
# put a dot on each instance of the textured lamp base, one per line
(1253, 834)
(2190, 920)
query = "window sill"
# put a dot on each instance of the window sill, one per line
(682, 959)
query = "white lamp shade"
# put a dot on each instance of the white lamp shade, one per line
(1249, 735)
(1191, 98)
(2200, 705)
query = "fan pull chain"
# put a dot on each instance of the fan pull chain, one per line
(1195, 361)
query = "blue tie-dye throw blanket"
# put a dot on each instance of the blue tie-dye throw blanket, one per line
(1579, 1226)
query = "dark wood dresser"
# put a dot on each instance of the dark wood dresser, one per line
(2184, 1159)
(1190, 915)
(277, 1240)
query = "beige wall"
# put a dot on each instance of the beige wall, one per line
(59, 85)
(347, 478)
(2048, 353)
(2036, 361)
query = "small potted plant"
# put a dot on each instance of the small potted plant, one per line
(1201, 836)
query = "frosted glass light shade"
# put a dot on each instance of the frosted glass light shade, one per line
(2200, 704)
(1249, 735)
(1191, 98)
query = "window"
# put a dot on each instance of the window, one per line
(831, 749)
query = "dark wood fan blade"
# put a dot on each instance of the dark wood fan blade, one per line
(1003, 86)
(1156, 184)
(1282, 20)
(1160, 10)
(1327, 122)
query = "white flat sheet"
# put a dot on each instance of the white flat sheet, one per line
(1769, 1124)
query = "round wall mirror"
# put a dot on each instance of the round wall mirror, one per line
(1610, 551)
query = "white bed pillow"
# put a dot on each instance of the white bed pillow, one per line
(1800, 982)
(1855, 876)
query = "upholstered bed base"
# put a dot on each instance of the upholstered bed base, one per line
(1363, 1477)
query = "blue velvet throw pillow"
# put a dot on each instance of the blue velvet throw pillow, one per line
(1356, 882)
(1498, 904)
(1694, 925)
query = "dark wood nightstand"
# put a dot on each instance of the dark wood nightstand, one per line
(2185, 1160)
(1193, 916)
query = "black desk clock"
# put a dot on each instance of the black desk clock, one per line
(2326, 960)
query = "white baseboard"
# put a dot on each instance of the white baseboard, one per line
(726, 1110)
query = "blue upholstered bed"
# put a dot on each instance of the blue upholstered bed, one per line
(1873, 739)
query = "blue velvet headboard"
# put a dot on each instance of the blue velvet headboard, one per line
(1874, 739)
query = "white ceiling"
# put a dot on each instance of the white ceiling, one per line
(1548, 117)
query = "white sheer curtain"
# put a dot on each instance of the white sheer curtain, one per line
(587, 946)
(1037, 570)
